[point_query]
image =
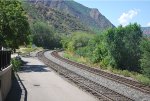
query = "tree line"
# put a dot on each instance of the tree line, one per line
(123, 48)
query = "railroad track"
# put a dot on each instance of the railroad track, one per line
(133, 84)
(99, 91)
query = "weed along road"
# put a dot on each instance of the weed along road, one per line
(43, 84)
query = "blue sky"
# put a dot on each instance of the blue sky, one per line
(122, 11)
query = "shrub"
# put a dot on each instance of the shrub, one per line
(16, 63)
(75, 41)
(82, 51)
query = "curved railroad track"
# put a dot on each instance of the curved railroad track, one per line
(131, 83)
(99, 91)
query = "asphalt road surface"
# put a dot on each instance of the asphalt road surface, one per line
(37, 82)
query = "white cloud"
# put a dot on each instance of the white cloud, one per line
(127, 16)
(148, 24)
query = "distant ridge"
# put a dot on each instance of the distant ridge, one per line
(146, 30)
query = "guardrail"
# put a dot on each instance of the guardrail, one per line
(5, 57)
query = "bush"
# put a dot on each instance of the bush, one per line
(16, 63)
(75, 41)
(145, 60)
(82, 51)
(108, 61)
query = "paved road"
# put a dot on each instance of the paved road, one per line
(41, 84)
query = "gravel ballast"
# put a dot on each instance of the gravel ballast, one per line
(115, 86)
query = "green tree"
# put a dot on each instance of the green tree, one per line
(123, 46)
(76, 40)
(14, 27)
(145, 60)
(44, 35)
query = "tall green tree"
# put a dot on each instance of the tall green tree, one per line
(44, 35)
(123, 45)
(14, 27)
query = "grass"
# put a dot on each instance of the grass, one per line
(141, 78)
(26, 50)
(76, 58)
(134, 75)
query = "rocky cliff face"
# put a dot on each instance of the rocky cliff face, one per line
(99, 19)
(89, 17)
(94, 13)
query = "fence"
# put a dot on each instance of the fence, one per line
(5, 57)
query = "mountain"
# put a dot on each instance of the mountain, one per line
(146, 30)
(60, 21)
(77, 15)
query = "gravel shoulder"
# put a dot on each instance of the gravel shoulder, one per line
(120, 88)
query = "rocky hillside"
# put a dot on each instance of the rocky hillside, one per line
(64, 10)
(60, 21)
(146, 30)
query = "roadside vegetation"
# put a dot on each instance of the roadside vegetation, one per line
(16, 64)
(122, 50)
